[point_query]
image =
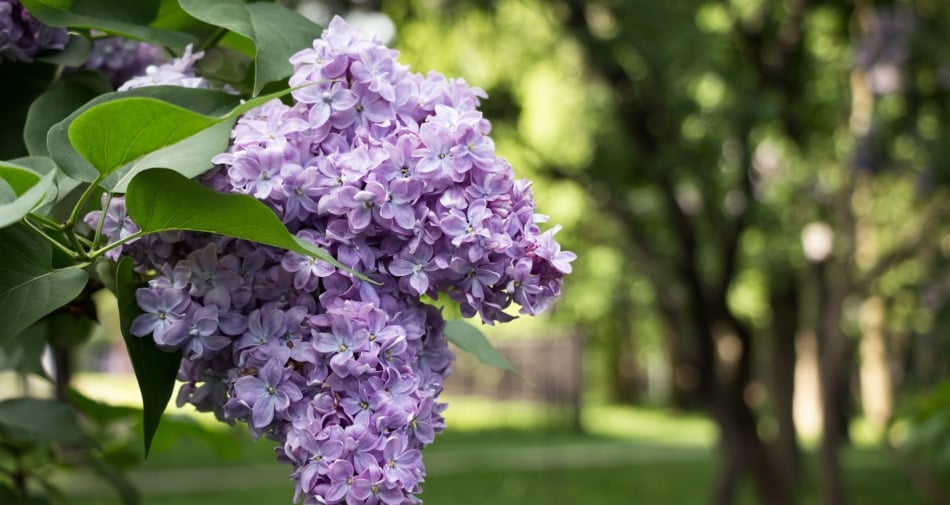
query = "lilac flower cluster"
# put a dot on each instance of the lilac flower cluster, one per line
(121, 59)
(22, 36)
(394, 174)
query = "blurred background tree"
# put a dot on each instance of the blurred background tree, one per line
(742, 180)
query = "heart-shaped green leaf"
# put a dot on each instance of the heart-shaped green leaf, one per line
(163, 200)
(277, 32)
(203, 101)
(471, 340)
(155, 370)
(30, 287)
(130, 19)
(116, 135)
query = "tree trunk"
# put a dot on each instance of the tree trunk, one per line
(833, 372)
(784, 301)
(741, 445)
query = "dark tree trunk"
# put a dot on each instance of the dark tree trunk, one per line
(784, 302)
(741, 447)
(833, 374)
(621, 357)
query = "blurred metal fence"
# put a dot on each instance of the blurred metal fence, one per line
(552, 369)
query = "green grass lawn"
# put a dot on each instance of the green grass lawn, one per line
(503, 454)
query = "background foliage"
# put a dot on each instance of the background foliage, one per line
(686, 147)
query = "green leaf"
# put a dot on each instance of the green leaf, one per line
(67, 95)
(277, 32)
(29, 188)
(118, 17)
(161, 126)
(155, 370)
(7, 194)
(114, 133)
(75, 53)
(204, 101)
(190, 157)
(471, 340)
(30, 287)
(164, 200)
(39, 420)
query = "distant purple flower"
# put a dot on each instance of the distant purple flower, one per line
(122, 59)
(178, 72)
(22, 36)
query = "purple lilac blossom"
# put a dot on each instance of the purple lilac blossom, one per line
(392, 173)
(22, 36)
(121, 59)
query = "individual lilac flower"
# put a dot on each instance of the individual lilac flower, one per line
(345, 485)
(163, 317)
(524, 287)
(116, 224)
(299, 190)
(550, 250)
(256, 172)
(269, 126)
(476, 278)
(381, 491)
(435, 155)
(268, 393)
(359, 403)
(402, 464)
(327, 102)
(206, 275)
(320, 454)
(468, 227)
(202, 327)
(473, 148)
(399, 202)
(370, 108)
(365, 204)
(422, 426)
(360, 446)
(262, 325)
(342, 342)
(373, 68)
(416, 266)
